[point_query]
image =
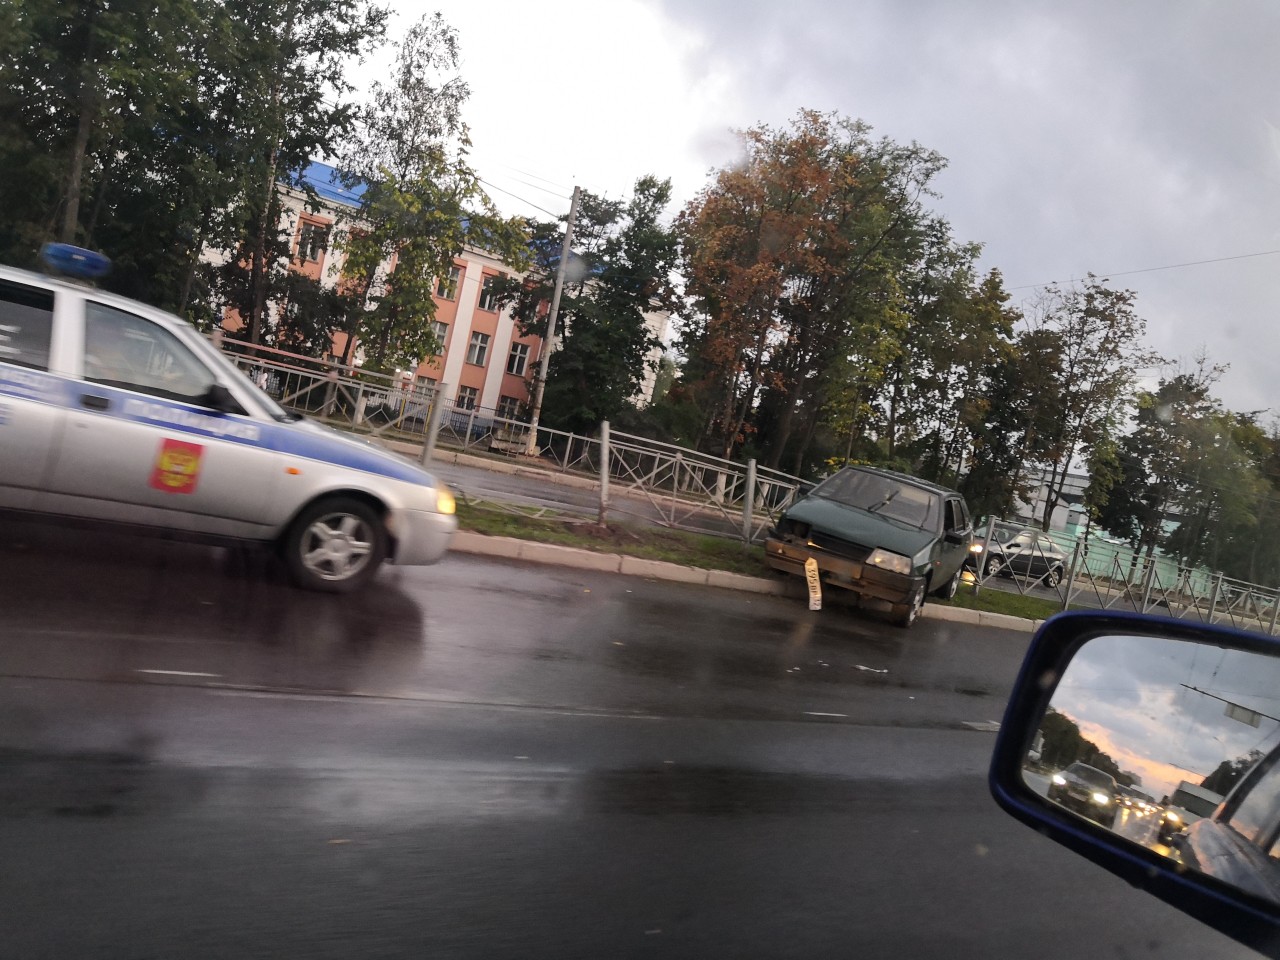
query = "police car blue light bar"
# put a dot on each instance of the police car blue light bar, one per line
(73, 261)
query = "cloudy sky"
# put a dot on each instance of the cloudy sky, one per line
(1082, 135)
(1127, 695)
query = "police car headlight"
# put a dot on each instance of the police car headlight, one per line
(444, 501)
(894, 562)
(1101, 798)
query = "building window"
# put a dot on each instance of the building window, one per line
(439, 330)
(478, 349)
(518, 359)
(508, 408)
(488, 298)
(447, 287)
(313, 240)
(467, 397)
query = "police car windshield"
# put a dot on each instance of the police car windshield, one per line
(229, 369)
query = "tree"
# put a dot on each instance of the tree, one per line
(288, 108)
(154, 130)
(1230, 772)
(1012, 421)
(1221, 491)
(1098, 340)
(1065, 745)
(79, 81)
(1189, 461)
(421, 201)
(791, 260)
(620, 270)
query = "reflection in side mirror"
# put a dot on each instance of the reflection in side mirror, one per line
(1147, 736)
(1152, 747)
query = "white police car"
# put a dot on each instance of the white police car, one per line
(113, 411)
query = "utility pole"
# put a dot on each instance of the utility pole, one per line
(540, 384)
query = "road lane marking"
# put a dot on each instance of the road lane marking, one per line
(985, 726)
(178, 673)
(815, 713)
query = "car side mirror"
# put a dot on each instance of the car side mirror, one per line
(1152, 747)
(958, 537)
(219, 398)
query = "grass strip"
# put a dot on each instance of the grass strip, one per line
(649, 543)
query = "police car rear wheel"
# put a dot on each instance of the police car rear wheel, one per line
(335, 545)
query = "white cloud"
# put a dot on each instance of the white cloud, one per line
(1084, 136)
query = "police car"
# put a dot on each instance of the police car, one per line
(113, 411)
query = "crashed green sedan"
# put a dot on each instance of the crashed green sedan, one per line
(880, 534)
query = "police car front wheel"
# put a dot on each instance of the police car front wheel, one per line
(335, 545)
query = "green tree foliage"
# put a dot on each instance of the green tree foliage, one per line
(1097, 337)
(1192, 478)
(152, 130)
(790, 259)
(286, 108)
(421, 203)
(619, 271)
(1011, 422)
(1230, 772)
(833, 313)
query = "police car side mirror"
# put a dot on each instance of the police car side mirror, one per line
(1151, 746)
(219, 398)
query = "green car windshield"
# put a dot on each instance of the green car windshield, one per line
(883, 496)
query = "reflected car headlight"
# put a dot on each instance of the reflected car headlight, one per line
(444, 500)
(1101, 798)
(1172, 817)
(1059, 780)
(894, 562)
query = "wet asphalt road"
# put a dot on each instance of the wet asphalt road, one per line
(492, 760)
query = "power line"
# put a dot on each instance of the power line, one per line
(535, 186)
(1171, 266)
(518, 197)
(529, 173)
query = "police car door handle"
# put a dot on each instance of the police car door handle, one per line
(93, 402)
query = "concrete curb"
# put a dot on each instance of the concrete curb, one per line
(511, 548)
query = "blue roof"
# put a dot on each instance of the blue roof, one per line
(327, 183)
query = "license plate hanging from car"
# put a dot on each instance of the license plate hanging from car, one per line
(815, 585)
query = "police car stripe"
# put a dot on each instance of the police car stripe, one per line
(299, 440)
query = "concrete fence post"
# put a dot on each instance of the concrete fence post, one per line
(604, 472)
(1213, 595)
(360, 402)
(471, 422)
(433, 423)
(749, 503)
(331, 393)
(981, 572)
(1071, 572)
